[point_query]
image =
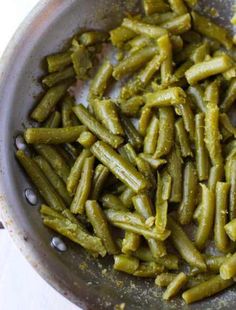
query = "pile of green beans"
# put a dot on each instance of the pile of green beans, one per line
(158, 157)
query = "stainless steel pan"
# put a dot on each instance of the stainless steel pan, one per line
(88, 283)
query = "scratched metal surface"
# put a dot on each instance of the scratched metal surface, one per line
(43, 32)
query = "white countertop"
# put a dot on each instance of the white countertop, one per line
(21, 288)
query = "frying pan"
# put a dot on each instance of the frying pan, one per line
(87, 282)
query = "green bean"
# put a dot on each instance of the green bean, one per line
(225, 121)
(205, 69)
(230, 148)
(161, 215)
(212, 134)
(169, 261)
(186, 112)
(106, 112)
(154, 163)
(130, 243)
(145, 76)
(230, 229)
(138, 42)
(134, 223)
(143, 205)
(113, 202)
(145, 168)
(100, 81)
(216, 175)
(175, 286)
(178, 25)
(128, 152)
(146, 114)
(214, 262)
(57, 77)
(186, 53)
(125, 263)
(40, 181)
(182, 138)
(101, 174)
(177, 43)
(74, 232)
(184, 246)
(190, 192)
(207, 28)
(227, 269)
(197, 214)
(159, 18)
(232, 193)
(165, 97)
(53, 121)
(206, 289)
(133, 62)
(143, 28)
(197, 95)
(93, 37)
(59, 61)
(207, 217)
(166, 132)
(95, 127)
(68, 117)
(134, 137)
(148, 270)
(120, 35)
(220, 236)
(180, 71)
(166, 54)
(153, 6)
(174, 167)
(164, 279)
(132, 106)
(178, 7)
(126, 197)
(98, 220)
(121, 168)
(55, 159)
(66, 156)
(86, 139)
(230, 96)
(75, 173)
(150, 141)
(202, 161)
(49, 101)
(54, 179)
(81, 60)
(53, 135)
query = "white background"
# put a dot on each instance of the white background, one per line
(21, 288)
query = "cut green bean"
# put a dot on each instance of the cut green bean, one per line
(93, 37)
(202, 160)
(184, 246)
(84, 187)
(54, 179)
(186, 112)
(81, 60)
(225, 121)
(174, 167)
(164, 279)
(214, 262)
(126, 197)
(132, 106)
(215, 175)
(53, 135)
(166, 54)
(220, 236)
(134, 137)
(178, 25)
(98, 220)
(125, 263)
(49, 101)
(206, 289)
(230, 96)
(206, 223)
(159, 18)
(128, 152)
(55, 159)
(99, 83)
(40, 181)
(178, 7)
(68, 117)
(207, 28)
(59, 61)
(145, 168)
(130, 243)
(150, 141)
(121, 168)
(120, 35)
(75, 173)
(182, 138)
(230, 229)
(133, 62)
(190, 191)
(197, 95)
(154, 163)
(166, 97)
(175, 286)
(206, 69)
(146, 114)
(148, 270)
(53, 121)
(232, 193)
(86, 139)
(227, 269)
(95, 127)
(106, 112)
(152, 6)
(57, 77)
(101, 174)
(113, 202)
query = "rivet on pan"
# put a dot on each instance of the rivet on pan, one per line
(31, 197)
(58, 244)
(20, 143)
